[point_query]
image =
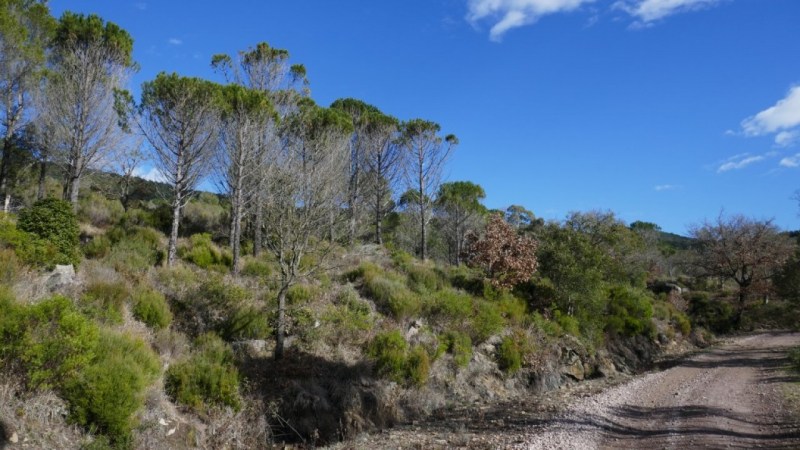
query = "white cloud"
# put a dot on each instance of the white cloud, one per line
(141, 6)
(648, 11)
(791, 161)
(152, 174)
(739, 162)
(666, 187)
(782, 119)
(508, 14)
(175, 41)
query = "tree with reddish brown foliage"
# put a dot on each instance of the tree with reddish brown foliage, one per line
(507, 257)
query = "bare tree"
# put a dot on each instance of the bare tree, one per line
(746, 251)
(383, 168)
(302, 189)
(24, 30)
(90, 62)
(426, 155)
(265, 69)
(247, 115)
(179, 118)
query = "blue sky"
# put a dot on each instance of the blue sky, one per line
(667, 111)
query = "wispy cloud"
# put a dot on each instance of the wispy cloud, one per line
(791, 161)
(648, 11)
(666, 187)
(509, 14)
(141, 6)
(175, 41)
(741, 161)
(781, 119)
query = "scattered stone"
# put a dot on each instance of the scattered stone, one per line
(14, 438)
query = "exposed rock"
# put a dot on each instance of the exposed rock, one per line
(604, 366)
(60, 277)
(572, 366)
(14, 438)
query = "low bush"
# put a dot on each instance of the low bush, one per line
(349, 316)
(629, 312)
(299, 294)
(135, 250)
(389, 351)
(457, 344)
(568, 324)
(713, 314)
(794, 358)
(256, 268)
(422, 279)
(512, 351)
(392, 295)
(450, 304)
(418, 366)
(105, 301)
(30, 249)
(245, 323)
(10, 266)
(548, 327)
(99, 210)
(151, 307)
(207, 378)
(487, 321)
(98, 247)
(107, 393)
(53, 221)
(204, 253)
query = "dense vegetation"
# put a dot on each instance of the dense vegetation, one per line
(335, 253)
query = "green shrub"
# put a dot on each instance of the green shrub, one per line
(393, 296)
(681, 321)
(450, 304)
(402, 259)
(107, 393)
(99, 210)
(459, 345)
(349, 316)
(105, 301)
(204, 253)
(98, 247)
(568, 324)
(423, 279)
(207, 378)
(245, 323)
(135, 250)
(10, 266)
(713, 314)
(151, 307)
(509, 356)
(548, 327)
(28, 247)
(256, 268)
(54, 221)
(53, 340)
(487, 321)
(629, 312)
(389, 350)
(513, 309)
(299, 294)
(418, 366)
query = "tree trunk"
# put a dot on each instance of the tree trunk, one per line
(236, 234)
(172, 252)
(42, 178)
(281, 326)
(72, 188)
(4, 164)
(258, 225)
(378, 231)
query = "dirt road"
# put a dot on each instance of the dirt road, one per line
(728, 397)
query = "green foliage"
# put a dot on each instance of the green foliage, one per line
(207, 378)
(256, 268)
(713, 314)
(150, 307)
(203, 253)
(135, 249)
(402, 259)
(10, 266)
(105, 301)
(423, 279)
(52, 220)
(629, 312)
(246, 322)
(457, 344)
(549, 327)
(509, 356)
(794, 358)
(682, 322)
(52, 340)
(99, 210)
(98, 247)
(349, 316)
(79, 31)
(450, 304)
(488, 320)
(567, 323)
(418, 366)
(389, 350)
(107, 393)
(390, 292)
(299, 294)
